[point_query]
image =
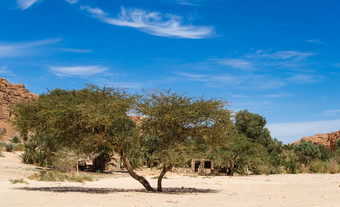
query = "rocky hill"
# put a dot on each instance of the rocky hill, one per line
(9, 95)
(322, 139)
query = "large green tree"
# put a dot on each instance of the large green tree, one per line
(177, 123)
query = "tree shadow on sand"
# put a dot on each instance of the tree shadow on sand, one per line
(115, 190)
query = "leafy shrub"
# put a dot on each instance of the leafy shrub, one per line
(1, 155)
(292, 165)
(318, 167)
(34, 154)
(19, 181)
(19, 147)
(307, 152)
(9, 147)
(57, 176)
(16, 139)
(333, 166)
(63, 162)
(326, 153)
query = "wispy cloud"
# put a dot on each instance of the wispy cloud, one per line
(187, 3)
(25, 4)
(239, 81)
(277, 95)
(5, 71)
(292, 131)
(316, 41)
(24, 48)
(305, 79)
(154, 23)
(283, 55)
(235, 63)
(72, 1)
(332, 113)
(74, 50)
(78, 70)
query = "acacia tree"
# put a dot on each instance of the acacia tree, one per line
(82, 120)
(177, 122)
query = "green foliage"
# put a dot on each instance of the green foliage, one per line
(318, 166)
(9, 147)
(35, 152)
(63, 161)
(16, 181)
(337, 144)
(16, 139)
(19, 147)
(326, 153)
(291, 164)
(252, 125)
(307, 152)
(238, 154)
(57, 176)
(333, 166)
(174, 123)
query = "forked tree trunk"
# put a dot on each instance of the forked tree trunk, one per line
(160, 178)
(139, 178)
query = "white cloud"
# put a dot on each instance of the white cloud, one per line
(278, 95)
(335, 112)
(72, 1)
(292, 131)
(235, 63)
(154, 23)
(284, 55)
(74, 50)
(305, 79)
(24, 48)
(317, 41)
(192, 75)
(78, 70)
(25, 4)
(5, 71)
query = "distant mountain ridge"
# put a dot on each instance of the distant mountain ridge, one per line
(9, 95)
(322, 139)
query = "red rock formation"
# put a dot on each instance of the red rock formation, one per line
(9, 95)
(322, 139)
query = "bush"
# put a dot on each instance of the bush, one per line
(1, 155)
(9, 147)
(318, 167)
(63, 162)
(292, 165)
(34, 154)
(326, 153)
(333, 166)
(307, 152)
(19, 147)
(19, 181)
(16, 139)
(57, 176)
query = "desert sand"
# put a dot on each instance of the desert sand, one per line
(121, 190)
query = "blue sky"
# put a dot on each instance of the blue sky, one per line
(280, 59)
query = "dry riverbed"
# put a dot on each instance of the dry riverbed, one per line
(183, 190)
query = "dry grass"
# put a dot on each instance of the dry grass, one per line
(56, 176)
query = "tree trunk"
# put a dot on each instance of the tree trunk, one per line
(160, 178)
(139, 178)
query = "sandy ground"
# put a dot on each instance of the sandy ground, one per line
(274, 190)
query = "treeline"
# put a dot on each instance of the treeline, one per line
(174, 129)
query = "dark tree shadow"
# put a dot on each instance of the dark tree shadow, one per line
(115, 190)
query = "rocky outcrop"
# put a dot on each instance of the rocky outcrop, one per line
(322, 139)
(9, 95)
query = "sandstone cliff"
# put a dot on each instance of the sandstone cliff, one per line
(9, 95)
(322, 139)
